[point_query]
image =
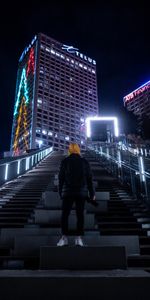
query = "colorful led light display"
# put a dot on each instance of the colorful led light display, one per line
(30, 65)
(22, 91)
(21, 105)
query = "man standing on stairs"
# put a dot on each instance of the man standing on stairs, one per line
(75, 182)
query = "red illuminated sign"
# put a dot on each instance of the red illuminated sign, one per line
(137, 92)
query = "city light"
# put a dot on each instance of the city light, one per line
(138, 91)
(6, 171)
(27, 48)
(27, 163)
(40, 142)
(30, 64)
(22, 85)
(18, 168)
(21, 105)
(114, 119)
(141, 167)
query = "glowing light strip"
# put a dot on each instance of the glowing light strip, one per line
(142, 168)
(18, 168)
(27, 163)
(30, 66)
(18, 128)
(23, 84)
(22, 110)
(32, 159)
(137, 91)
(33, 98)
(23, 91)
(114, 119)
(25, 125)
(119, 158)
(147, 83)
(27, 49)
(6, 172)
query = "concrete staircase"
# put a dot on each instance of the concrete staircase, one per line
(125, 216)
(115, 261)
(31, 210)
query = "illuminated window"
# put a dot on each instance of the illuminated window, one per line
(39, 100)
(50, 133)
(90, 91)
(47, 49)
(82, 119)
(52, 51)
(67, 138)
(44, 131)
(38, 130)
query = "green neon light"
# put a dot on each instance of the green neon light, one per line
(22, 85)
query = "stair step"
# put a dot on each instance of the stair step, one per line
(19, 262)
(120, 224)
(122, 231)
(11, 225)
(4, 251)
(138, 261)
(116, 219)
(146, 226)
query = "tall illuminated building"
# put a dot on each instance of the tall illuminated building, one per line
(56, 91)
(138, 101)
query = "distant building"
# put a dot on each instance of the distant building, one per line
(56, 90)
(138, 101)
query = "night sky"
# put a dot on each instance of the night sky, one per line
(115, 35)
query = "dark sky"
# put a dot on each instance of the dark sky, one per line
(115, 35)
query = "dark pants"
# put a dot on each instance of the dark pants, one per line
(66, 208)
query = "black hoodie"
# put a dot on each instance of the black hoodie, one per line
(75, 177)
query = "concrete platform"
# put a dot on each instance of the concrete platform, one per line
(29, 245)
(82, 258)
(104, 285)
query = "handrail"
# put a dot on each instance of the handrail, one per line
(123, 163)
(130, 169)
(14, 168)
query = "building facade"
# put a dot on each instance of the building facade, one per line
(138, 101)
(56, 91)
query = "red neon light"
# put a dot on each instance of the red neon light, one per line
(30, 64)
(137, 92)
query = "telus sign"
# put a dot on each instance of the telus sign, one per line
(73, 50)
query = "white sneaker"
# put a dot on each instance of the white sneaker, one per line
(79, 241)
(63, 241)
